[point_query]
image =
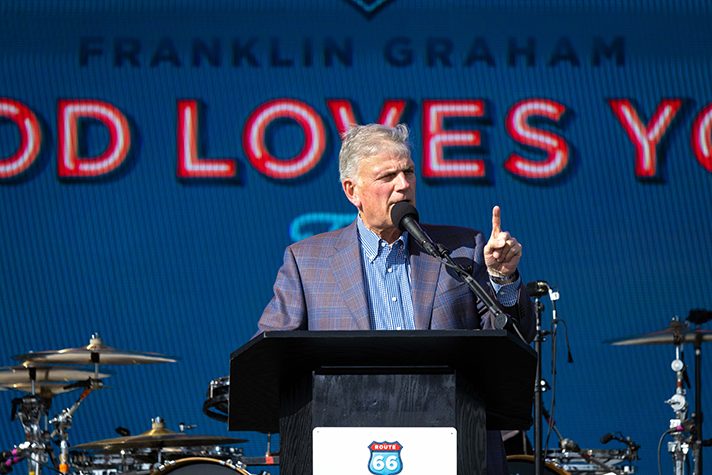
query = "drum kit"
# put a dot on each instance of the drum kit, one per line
(686, 432)
(46, 374)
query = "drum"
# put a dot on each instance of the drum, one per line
(85, 463)
(201, 466)
(216, 401)
(593, 461)
(524, 465)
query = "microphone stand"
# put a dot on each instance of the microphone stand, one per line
(405, 217)
(501, 319)
(538, 389)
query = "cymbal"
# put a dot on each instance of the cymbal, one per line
(45, 390)
(96, 352)
(157, 437)
(674, 334)
(10, 375)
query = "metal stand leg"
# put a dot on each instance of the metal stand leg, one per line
(538, 340)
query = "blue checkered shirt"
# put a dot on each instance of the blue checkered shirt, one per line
(387, 271)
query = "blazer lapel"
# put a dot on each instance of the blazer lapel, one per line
(424, 272)
(350, 277)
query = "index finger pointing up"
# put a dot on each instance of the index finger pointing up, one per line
(496, 221)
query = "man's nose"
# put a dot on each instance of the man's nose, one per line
(402, 181)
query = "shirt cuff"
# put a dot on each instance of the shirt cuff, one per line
(507, 294)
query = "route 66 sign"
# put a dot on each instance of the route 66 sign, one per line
(385, 458)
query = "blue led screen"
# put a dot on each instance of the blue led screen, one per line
(157, 157)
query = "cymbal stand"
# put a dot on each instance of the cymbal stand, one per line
(697, 438)
(63, 422)
(679, 446)
(29, 409)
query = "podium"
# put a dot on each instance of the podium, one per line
(298, 383)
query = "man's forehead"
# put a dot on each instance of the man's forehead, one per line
(385, 161)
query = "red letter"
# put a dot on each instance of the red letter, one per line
(557, 151)
(189, 164)
(68, 115)
(344, 116)
(30, 138)
(253, 138)
(701, 138)
(436, 138)
(645, 138)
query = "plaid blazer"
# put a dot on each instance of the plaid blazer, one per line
(320, 285)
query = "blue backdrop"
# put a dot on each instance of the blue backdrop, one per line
(606, 102)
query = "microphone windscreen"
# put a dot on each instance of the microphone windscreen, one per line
(402, 209)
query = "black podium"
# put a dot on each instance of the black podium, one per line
(293, 382)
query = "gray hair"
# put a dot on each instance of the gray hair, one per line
(363, 141)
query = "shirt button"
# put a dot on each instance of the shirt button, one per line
(398, 328)
(393, 299)
(383, 244)
(390, 269)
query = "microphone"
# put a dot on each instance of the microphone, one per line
(405, 217)
(538, 288)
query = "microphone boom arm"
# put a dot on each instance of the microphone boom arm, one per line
(501, 319)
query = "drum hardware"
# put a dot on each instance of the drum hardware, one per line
(592, 461)
(686, 433)
(63, 422)
(182, 426)
(216, 400)
(38, 375)
(122, 462)
(32, 408)
(269, 458)
(8, 459)
(158, 437)
(573, 459)
(525, 465)
(216, 405)
(680, 445)
(201, 466)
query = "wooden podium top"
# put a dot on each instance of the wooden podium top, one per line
(500, 365)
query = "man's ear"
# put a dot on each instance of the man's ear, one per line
(351, 193)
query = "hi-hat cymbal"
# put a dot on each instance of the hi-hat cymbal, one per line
(10, 375)
(45, 390)
(674, 334)
(157, 437)
(96, 352)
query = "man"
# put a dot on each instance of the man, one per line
(370, 275)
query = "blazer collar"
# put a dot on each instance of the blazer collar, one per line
(424, 271)
(351, 282)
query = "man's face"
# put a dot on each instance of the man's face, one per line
(381, 181)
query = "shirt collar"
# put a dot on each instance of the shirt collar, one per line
(371, 242)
